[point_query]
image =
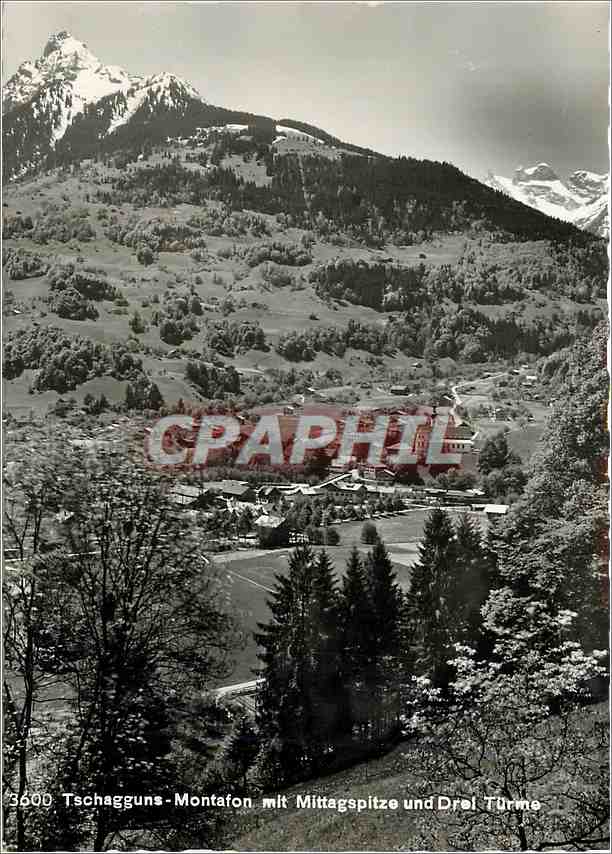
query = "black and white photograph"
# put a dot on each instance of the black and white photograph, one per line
(305, 507)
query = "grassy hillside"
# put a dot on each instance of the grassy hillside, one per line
(399, 774)
(465, 294)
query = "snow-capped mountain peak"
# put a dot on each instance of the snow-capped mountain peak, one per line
(69, 66)
(63, 46)
(43, 98)
(581, 199)
(541, 172)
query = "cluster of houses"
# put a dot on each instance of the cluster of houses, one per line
(234, 495)
(265, 503)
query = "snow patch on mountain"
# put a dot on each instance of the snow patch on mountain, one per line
(293, 133)
(159, 88)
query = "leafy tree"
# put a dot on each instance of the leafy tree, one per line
(70, 304)
(516, 722)
(137, 324)
(550, 550)
(497, 738)
(507, 483)
(369, 533)
(145, 255)
(132, 631)
(495, 454)
(30, 502)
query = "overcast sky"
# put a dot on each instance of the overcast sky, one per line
(482, 85)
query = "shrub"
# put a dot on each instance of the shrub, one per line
(21, 264)
(91, 284)
(280, 253)
(145, 255)
(72, 305)
(331, 537)
(137, 324)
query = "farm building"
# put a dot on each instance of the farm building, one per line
(273, 531)
(189, 496)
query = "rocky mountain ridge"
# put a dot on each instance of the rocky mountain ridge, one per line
(581, 198)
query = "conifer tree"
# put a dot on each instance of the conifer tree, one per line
(240, 748)
(355, 616)
(300, 654)
(385, 603)
(384, 599)
(282, 715)
(429, 598)
(469, 586)
(327, 689)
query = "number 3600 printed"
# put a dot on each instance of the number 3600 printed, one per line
(36, 799)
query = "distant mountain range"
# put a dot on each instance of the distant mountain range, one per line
(581, 199)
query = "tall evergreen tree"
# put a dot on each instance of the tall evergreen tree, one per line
(469, 586)
(283, 712)
(429, 596)
(384, 596)
(240, 749)
(297, 708)
(327, 688)
(385, 603)
(355, 616)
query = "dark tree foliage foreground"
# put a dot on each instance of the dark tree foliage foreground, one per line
(299, 703)
(331, 666)
(430, 594)
(123, 624)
